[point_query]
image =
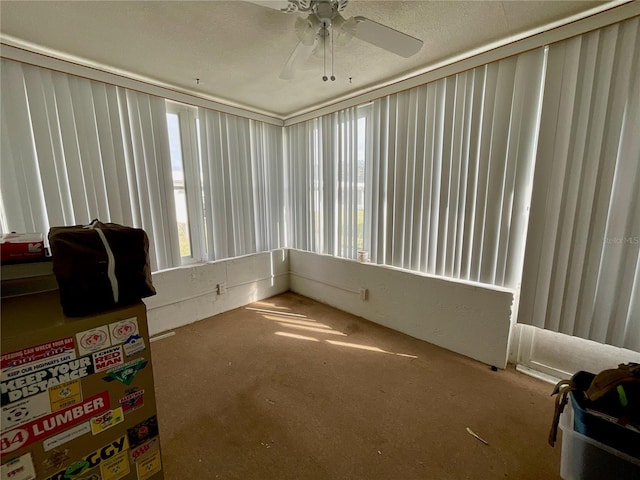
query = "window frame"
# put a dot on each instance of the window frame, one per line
(187, 119)
(366, 111)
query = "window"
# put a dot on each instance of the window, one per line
(363, 121)
(187, 186)
(179, 192)
(328, 168)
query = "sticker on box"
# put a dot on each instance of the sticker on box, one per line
(36, 366)
(107, 420)
(109, 358)
(65, 395)
(66, 436)
(14, 360)
(122, 330)
(13, 440)
(127, 372)
(149, 466)
(92, 460)
(143, 431)
(133, 345)
(116, 467)
(148, 447)
(18, 413)
(56, 460)
(19, 468)
(72, 471)
(36, 352)
(133, 400)
(93, 340)
(53, 423)
(41, 381)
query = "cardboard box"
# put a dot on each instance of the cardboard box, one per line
(15, 247)
(77, 394)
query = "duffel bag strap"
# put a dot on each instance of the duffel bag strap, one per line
(562, 389)
(111, 261)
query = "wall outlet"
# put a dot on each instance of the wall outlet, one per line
(222, 288)
(364, 294)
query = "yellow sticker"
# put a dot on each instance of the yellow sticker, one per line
(107, 420)
(149, 466)
(95, 458)
(65, 395)
(116, 467)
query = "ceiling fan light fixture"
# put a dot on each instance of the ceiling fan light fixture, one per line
(325, 26)
(306, 29)
(343, 30)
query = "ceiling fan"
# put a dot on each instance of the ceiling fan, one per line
(324, 25)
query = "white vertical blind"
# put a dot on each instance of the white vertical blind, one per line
(582, 265)
(243, 189)
(268, 184)
(303, 177)
(323, 177)
(75, 149)
(451, 162)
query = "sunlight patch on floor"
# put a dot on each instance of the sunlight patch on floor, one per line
(270, 305)
(298, 337)
(356, 345)
(297, 321)
(314, 329)
(275, 312)
(367, 347)
(308, 322)
(338, 343)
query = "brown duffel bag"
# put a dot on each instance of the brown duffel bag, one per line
(100, 266)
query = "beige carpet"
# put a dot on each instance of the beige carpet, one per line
(288, 388)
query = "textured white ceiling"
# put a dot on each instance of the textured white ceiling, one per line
(237, 49)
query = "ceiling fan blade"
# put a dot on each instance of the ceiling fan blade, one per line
(296, 60)
(386, 37)
(282, 5)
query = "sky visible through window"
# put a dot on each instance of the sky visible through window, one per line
(177, 171)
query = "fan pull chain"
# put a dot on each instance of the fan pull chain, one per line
(333, 77)
(324, 52)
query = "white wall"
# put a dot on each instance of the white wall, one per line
(188, 294)
(468, 319)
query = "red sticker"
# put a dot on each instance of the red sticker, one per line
(122, 330)
(37, 352)
(51, 424)
(104, 359)
(133, 400)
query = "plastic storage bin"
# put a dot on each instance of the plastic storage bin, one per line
(584, 458)
(619, 437)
